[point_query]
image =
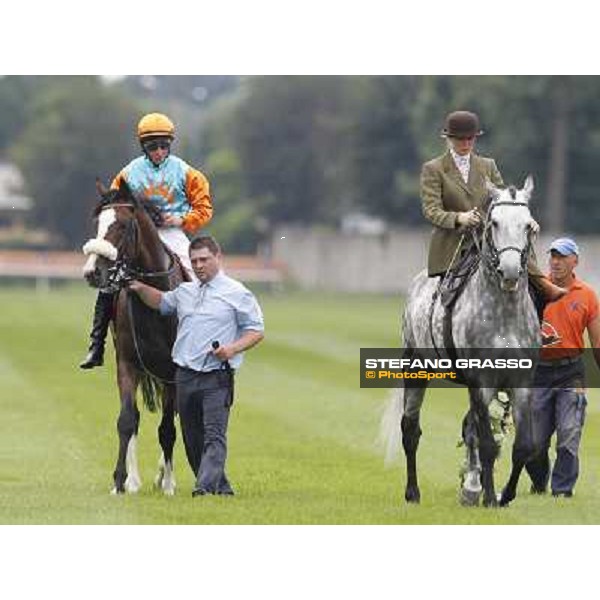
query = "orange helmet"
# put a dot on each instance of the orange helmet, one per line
(155, 124)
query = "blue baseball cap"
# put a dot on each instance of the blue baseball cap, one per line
(564, 246)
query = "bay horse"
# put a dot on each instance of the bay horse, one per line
(127, 246)
(494, 311)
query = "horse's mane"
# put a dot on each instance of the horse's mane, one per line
(107, 198)
(124, 195)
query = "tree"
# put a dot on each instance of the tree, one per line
(290, 137)
(385, 153)
(78, 129)
(16, 95)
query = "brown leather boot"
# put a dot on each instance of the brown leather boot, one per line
(550, 290)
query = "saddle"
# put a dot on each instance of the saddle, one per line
(454, 282)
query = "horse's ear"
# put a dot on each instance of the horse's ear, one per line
(528, 186)
(124, 190)
(100, 188)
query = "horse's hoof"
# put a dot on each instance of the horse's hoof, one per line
(469, 497)
(133, 485)
(491, 502)
(413, 496)
(506, 497)
(158, 480)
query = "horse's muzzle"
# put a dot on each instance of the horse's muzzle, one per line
(93, 278)
(509, 285)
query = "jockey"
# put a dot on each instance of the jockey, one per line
(180, 192)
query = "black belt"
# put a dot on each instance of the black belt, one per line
(226, 377)
(560, 362)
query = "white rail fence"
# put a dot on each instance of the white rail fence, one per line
(44, 267)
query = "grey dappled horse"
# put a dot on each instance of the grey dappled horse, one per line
(494, 310)
(127, 245)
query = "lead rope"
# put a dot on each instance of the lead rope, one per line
(136, 345)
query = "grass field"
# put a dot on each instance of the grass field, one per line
(302, 434)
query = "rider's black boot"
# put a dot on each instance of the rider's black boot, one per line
(102, 316)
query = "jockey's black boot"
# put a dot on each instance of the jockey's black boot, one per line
(102, 316)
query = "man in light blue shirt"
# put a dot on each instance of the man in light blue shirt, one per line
(218, 319)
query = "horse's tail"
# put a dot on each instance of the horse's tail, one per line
(389, 429)
(152, 392)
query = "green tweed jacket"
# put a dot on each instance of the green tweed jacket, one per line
(444, 194)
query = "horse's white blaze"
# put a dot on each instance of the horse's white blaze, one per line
(107, 217)
(98, 246)
(133, 482)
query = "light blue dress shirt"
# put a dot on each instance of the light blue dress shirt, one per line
(220, 310)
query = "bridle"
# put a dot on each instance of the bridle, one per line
(492, 256)
(123, 270)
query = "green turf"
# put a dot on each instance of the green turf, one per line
(302, 435)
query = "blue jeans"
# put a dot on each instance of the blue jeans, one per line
(560, 410)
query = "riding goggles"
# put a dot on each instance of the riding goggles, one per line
(156, 144)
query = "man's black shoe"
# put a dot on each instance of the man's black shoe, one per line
(197, 492)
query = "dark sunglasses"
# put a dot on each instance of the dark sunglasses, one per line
(156, 144)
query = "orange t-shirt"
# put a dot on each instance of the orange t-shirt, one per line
(565, 321)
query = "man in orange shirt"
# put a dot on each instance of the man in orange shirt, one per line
(558, 399)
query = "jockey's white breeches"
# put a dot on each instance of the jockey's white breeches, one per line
(179, 243)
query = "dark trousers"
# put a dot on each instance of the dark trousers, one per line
(560, 409)
(203, 402)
